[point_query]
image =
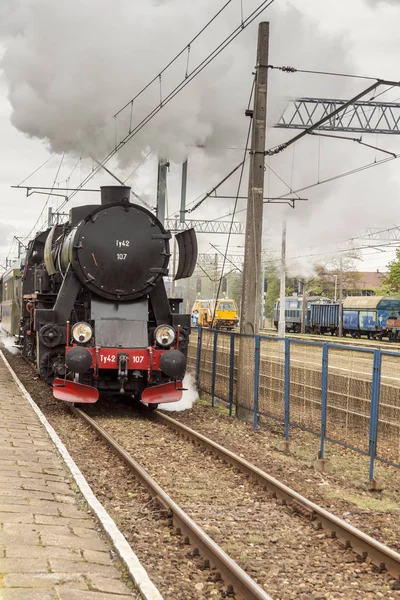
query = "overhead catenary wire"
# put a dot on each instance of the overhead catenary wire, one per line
(47, 201)
(298, 70)
(38, 169)
(289, 69)
(186, 48)
(283, 146)
(214, 189)
(331, 252)
(200, 67)
(134, 194)
(291, 191)
(349, 139)
(71, 173)
(327, 180)
(235, 205)
(386, 230)
(139, 165)
(345, 174)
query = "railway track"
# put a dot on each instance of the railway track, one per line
(239, 583)
(333, 339)
(330, 339)
(368, 550)
(365, 546)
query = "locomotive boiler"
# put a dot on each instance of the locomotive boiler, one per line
(96, 316)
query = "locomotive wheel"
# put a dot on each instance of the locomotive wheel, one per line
(152, 407)
(50, 335)
(52, 364)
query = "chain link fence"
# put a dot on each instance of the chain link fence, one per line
(347, 395)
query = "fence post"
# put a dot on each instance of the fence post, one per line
(214, 367)
(256, 379)
(287, 387)
(374, 413)
(231, 372)
(198, 355)
(324, 394)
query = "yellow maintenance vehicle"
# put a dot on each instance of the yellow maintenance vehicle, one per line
(222, 316)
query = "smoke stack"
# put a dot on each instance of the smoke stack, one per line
(114, 193)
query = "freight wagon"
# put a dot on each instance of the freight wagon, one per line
(371, 316)
(324, 318)
(368, 315)
(294, 311)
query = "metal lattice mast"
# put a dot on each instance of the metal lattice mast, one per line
(359, 117)
(206, 226)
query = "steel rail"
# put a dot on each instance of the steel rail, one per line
(365, 546)
(243, 585)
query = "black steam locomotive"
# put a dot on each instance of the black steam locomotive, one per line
(95, 312)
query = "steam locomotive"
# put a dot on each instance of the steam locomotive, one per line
(94, 312)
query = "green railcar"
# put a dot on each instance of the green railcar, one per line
(11, 298)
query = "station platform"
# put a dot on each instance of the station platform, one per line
(51, 546)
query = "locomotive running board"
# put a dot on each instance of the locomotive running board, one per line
(161, 394)
(70, 391)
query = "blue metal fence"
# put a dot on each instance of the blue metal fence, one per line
(353, 411)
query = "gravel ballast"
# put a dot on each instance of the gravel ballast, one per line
(283, 553)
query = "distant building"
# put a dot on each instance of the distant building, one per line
(356, 283)
(365, 283)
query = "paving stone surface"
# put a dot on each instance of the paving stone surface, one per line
(49, 547)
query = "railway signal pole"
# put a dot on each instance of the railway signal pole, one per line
(252, 280)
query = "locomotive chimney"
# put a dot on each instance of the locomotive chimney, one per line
(114, 193)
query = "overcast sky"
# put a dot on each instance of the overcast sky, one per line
(65, 72)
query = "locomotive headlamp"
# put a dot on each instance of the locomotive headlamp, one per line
(164, 335)
(82, 333)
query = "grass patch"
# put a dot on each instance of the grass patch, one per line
(365, 502)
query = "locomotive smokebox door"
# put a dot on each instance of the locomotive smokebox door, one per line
(119, 253)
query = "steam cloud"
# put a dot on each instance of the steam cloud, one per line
(70, 65)
(374, 3)
(7, 342)
(190, 395)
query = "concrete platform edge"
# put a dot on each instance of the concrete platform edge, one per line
(139, 575)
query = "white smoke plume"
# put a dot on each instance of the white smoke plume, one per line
(376, 3)
(71, 65)
(7, 342)
(189, 397)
